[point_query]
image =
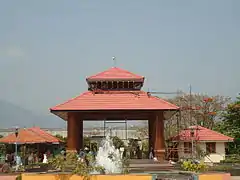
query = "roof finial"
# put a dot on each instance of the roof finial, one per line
(114, 61)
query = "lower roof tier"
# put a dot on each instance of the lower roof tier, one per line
(115, 100)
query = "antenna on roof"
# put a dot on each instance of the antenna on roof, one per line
(114, 61)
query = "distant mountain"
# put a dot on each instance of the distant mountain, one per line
(12, 115)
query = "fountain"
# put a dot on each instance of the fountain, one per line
(109, 157)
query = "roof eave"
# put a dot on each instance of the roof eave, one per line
(53, 110)
(189, 140)
(92, 79)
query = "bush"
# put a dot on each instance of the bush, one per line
(19, 177)
(234, 158)
(221, 168)
(71, 163)
(230, 161)
(193, 167)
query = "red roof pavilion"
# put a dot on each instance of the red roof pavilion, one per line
(30, 136)
(201, 134)
(97, 99)
(115, 94)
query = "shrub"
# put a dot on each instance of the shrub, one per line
(193, 167)
(19, 177)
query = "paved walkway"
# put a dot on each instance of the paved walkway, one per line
(8, 177)
(235, 178)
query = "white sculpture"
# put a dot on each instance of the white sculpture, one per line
(18, 162)
(45, 158)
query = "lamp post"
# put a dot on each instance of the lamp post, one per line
(16, 147)
(192, 136)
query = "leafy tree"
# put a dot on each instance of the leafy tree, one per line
(230, 124)
(142, 132)
(132, 146)
(86, 141)
(60, 137)
(117, 142)
(196, 109)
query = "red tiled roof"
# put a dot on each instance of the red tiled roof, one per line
(115, 74)
(201, 134)
(46, 135)
(116, 100)
(28, 136)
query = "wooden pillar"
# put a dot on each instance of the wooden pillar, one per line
(80, 134)
(74, 132)
(151, 132)
(158, 139)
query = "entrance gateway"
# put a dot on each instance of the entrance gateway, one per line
(115, 94)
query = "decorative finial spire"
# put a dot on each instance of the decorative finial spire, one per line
(114, 61)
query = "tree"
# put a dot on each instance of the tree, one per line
(61, 138)
(195, 109)
(198, 109)
(230, 124)
(117, 142)
(142, 132)
(86, 141)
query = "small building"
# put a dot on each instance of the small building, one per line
(190, 142)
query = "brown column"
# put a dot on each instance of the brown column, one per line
(151, 132)
(80, 134)
(74, 132)
(158, 139)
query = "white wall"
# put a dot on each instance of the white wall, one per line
(219, 155)
(215, 157)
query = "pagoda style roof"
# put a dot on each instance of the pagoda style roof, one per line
(115, 74)
(115, 100)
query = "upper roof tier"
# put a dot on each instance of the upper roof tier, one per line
(115, 74)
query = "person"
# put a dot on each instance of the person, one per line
(62, 152)
(81, 155)
(30, 158)
(151, 153)
(35, 158)
(86, 149)
(7, 158)
(139, 153)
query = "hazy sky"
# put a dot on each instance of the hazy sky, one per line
(48, 47)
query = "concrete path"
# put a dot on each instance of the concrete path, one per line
(8, 177)
(235, 177)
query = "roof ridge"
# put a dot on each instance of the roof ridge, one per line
(164, 101)
(182, 133)
(127, 71)
(117, 69)
(39, 135)
(44, 133)
(217, 132)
